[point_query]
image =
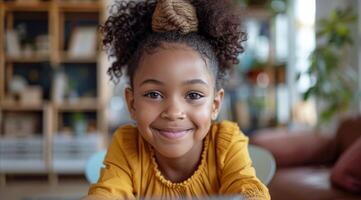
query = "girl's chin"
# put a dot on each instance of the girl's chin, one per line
(173, 154)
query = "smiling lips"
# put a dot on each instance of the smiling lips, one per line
(173, 134)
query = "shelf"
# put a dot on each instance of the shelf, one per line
(23, 6)
(11, 106)
(71, 153)
(28, 59)
(22, 166)
(80, 6)
(79, 106)
(257, 12)
(68, 59)
(22, 154)
(76, 6)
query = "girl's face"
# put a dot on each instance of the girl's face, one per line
(173, 99)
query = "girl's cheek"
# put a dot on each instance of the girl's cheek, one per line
(148, 110)
(201, 113)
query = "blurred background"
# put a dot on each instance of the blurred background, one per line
(301, 72)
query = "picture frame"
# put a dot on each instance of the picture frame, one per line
(13, 46)
(83, 42)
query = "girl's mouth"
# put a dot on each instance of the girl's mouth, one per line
(173, 134)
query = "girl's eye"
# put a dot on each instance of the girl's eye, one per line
(194, 96)
(153, 95)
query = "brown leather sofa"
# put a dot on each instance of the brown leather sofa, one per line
(306, 162)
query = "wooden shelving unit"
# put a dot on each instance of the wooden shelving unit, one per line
(60, 147)
(251, 96)
(2, 52)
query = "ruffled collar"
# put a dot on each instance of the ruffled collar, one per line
(186, 182)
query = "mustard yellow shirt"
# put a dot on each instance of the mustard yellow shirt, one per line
(225, 169)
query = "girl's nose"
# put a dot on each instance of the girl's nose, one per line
(173, 112)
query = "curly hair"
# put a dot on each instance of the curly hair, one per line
(127, 34)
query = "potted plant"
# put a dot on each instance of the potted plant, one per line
(334, 80)
(79, 122)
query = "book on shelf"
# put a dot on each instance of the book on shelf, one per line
(21, 124)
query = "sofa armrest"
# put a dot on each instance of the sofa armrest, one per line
(295, 149)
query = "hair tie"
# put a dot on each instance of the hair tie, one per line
(174, 15)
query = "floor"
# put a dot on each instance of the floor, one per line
(39, 188)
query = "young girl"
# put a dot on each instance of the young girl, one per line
(176, 54)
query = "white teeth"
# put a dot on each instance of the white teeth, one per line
(173, 131)
(173, 134)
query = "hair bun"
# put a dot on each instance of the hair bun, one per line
(174, 15)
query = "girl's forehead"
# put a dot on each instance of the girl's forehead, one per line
(174, 62)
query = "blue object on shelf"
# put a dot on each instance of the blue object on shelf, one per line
(94, 165)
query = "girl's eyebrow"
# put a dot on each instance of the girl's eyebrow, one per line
(153, 81)
(194, 81)
(187, 82)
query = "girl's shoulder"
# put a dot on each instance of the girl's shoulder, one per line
(126, 134)
(125, 142)
(227, 130)
(225, 136)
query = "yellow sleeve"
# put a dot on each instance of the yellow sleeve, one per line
(237, 174)
(115, 181)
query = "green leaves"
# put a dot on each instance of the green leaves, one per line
(328, 65)
(336, 29)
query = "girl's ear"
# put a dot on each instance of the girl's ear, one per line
(217, 103)
(129, 97)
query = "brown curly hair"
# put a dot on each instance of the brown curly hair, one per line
(127, 34)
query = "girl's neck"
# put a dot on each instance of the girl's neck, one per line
(180, 169)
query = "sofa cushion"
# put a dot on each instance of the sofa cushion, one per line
(294, 149)
(347, 171)
(311, 183)
(347, 133)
